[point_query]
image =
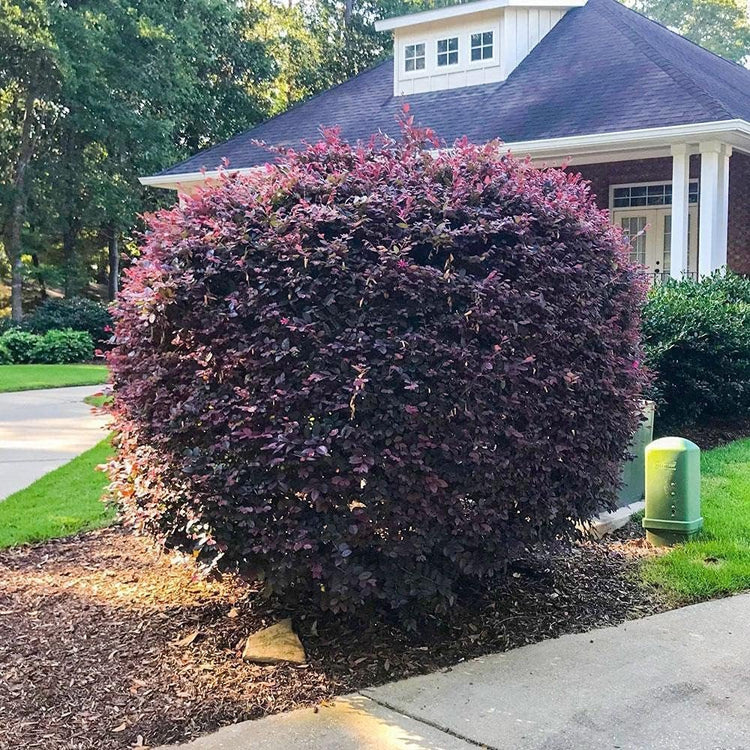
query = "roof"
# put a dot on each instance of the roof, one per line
(473, 6)
(602, 68)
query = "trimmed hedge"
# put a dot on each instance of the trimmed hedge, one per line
(697, 341)
(374, 373)
(54, 347)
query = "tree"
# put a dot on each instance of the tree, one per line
(29, 87)
(721, 26)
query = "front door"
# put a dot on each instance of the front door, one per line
(650, 233)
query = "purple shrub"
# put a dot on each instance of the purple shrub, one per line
(374, 372)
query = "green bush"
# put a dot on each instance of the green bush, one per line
(63, 347)
(697, 341)
(78, 313)
(20, 345)
(54, 347)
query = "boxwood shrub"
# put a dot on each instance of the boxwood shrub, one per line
(697, 342)
(373, 373)
(19, 344)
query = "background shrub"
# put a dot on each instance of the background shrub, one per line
(5, 356)
(78, 313)
(697, 341)
(372, 373)
(19, 344)
(63, 347)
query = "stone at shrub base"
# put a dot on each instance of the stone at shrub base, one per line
(275, 644)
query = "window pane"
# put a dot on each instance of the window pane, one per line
(476, 54)
(453, 44)
(443, 45)
(410, 64)
(476, 40)
(453, 58)
(420, 63)
(487, 52)
(487, 38)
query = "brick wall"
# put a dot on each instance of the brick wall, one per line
(602, 176)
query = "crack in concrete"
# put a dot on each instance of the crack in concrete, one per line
(427, 722)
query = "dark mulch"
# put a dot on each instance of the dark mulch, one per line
(713, 433)
(106, 643)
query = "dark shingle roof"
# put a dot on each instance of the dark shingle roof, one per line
(602, 68)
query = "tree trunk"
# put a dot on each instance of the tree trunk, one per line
(14, 222)
(348, 8)
(39, 278)
(114, 265)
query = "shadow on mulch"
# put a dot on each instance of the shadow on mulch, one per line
(107, 643)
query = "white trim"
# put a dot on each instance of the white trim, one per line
(441, 14)
(612, 188)
(630, 139)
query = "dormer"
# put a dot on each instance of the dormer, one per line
(468, 44)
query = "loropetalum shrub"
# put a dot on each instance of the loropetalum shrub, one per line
(697, 342)
(63, 347)
(374, 373)
(78, 313)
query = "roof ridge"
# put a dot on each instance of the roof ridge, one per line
(676, 74)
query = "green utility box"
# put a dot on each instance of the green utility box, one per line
(673, 491)
(634, 470)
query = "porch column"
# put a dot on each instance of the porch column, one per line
(680, 217)
(714, 207)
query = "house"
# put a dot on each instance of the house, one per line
(659, 125)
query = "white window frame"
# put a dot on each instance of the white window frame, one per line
(486, 60)
(448, 52)
(417, 71)
(612, 207)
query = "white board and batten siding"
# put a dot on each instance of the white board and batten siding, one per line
(516, 31)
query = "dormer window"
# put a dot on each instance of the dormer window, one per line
(447, 51)
(414, 57)
(482, 46)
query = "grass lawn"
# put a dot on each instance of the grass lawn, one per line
(98, 400)
(63, 502)
(718, 561)
(28, 377)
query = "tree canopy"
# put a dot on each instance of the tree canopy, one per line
(94, 93)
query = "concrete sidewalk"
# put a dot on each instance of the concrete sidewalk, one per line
(675, 681)
(41, 430)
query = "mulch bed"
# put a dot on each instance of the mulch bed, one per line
(108, 643)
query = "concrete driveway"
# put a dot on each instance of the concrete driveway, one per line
(41, 430)
(675, 681)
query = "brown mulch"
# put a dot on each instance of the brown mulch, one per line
(713, 433)
(108, 643)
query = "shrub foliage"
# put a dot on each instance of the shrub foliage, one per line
(697, 341)
(373, 372)
(54, 347)
(78, 313)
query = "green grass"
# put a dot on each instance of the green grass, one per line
(61, 503)
(717, 562)
(98, 399)
(29, 377)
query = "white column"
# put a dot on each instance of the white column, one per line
(714, 206)
(680, 218)
(722, 228)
